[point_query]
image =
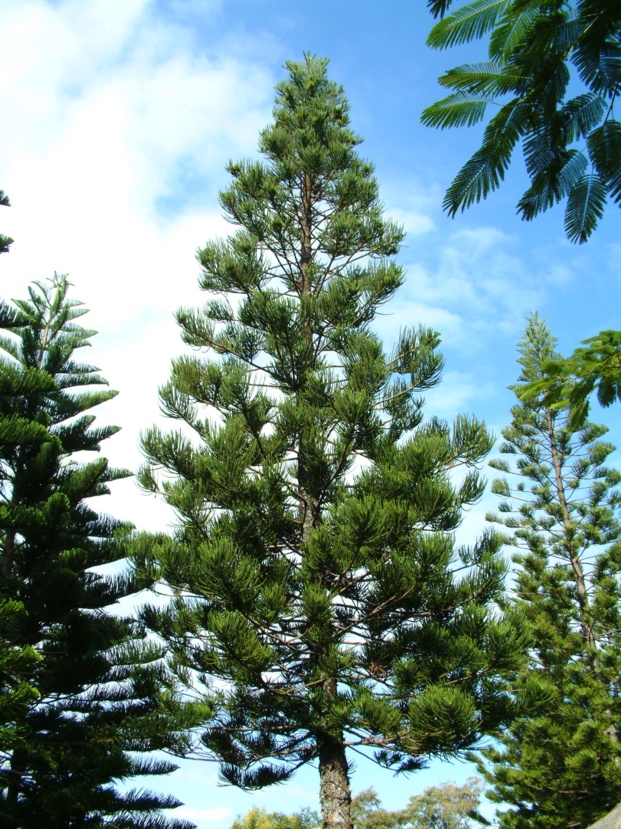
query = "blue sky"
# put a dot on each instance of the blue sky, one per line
(118, 118)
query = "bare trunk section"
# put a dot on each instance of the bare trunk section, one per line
(46, 334)
(306, 229)
(574, 560)
(334, 789)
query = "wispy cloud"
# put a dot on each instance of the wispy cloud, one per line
(110, 115)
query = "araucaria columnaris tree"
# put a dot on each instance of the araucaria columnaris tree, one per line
(81, 692)
(316, 508)
(560, 767)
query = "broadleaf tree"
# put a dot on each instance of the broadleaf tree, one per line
(319, 585)
(561, 766)
(552, 80)
(595, 366)
(84, 695)
(447, 806)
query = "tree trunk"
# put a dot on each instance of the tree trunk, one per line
(334, 790)
(574, 559)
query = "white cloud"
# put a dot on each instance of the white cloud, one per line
(414, 219)
(473, 275)
(109, 111)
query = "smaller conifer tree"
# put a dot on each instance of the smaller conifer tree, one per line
(560, 766)
(81, 691)
(5, 241)
(315, 562)
(16, 661)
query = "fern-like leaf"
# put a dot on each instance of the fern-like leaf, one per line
(539, 152)
(604, 145)
(438, 8)
(581, 114)
(486, 169)
(488, 78)
(599, 68)
(467, 23)
(571, 172)
(512, 30)
(550, 186)
(585, 207)
(457, 110)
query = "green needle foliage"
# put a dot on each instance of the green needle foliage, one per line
(561, 767)
(325, 594)
(81, 693)
(5, 241)
(16, 660)
(553, 78)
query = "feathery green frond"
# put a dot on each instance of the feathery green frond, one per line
(467, 23)
(457, 110)
(536, 48)
(486, 169)
(585, 206)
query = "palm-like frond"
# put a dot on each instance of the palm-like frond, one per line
(466, 24)
(459, 109)
(438, 8)
(597, 55)
(585, 207)
(581, 114)
(540, 151)
(533, 45)
(488, 78)
(486, 169)
(550, 186)
(512, 29)
(604, 145)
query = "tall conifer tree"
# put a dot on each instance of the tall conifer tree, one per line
(560, 767)
(80, 690)
(315, 557)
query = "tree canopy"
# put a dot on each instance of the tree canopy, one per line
(552, 78)
(595, 366)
